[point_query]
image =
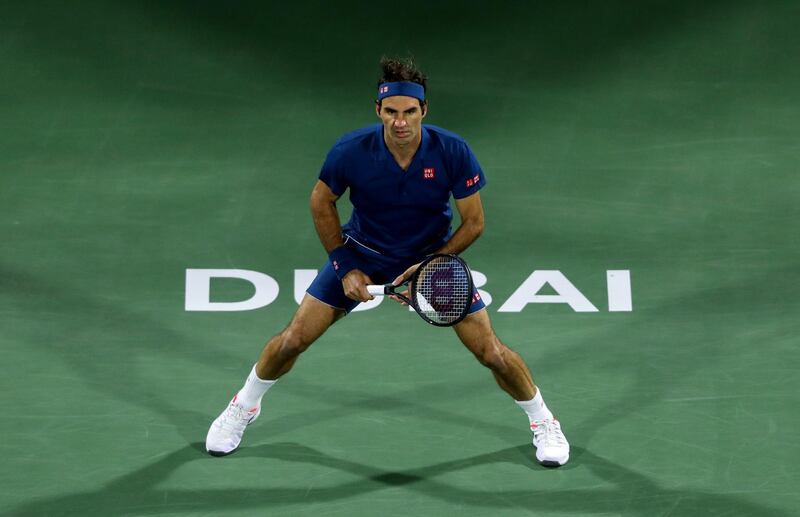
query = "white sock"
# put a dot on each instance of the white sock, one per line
(252, 391)
(535, 408)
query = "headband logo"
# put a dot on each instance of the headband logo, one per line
(407, 88)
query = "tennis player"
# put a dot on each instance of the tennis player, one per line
(401, 175)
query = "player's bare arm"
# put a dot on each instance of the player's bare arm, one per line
(326, 216)
(329, 229)
(470, 209)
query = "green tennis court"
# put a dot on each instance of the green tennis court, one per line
(140, 140)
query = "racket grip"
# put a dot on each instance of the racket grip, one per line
(376, 290)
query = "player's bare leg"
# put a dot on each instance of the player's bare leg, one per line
(513, 376)
(310, 321)
(508, 368)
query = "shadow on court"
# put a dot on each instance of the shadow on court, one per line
(139, 493)
(89, 358)
(88, 323)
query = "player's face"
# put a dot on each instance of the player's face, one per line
(402, 119)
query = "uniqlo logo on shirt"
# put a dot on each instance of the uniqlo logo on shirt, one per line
(473, 180)
(428, 173)
(469, 182)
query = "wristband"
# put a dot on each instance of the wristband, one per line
(343, 260)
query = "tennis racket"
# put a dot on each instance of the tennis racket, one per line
(440, 290)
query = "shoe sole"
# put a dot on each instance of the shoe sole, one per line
(219, 454)
(551, 464)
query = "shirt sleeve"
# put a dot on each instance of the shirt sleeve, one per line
(468, 175)
(333, 173)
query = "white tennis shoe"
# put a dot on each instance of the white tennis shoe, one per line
(552, 448)
(225, 433)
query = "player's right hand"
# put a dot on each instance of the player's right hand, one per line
(355, 286)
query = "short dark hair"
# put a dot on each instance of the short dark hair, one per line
(402, 69)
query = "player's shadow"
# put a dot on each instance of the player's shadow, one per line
(91, 316)
(140, 492)
(135, 385)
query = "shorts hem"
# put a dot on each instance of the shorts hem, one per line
(477, 310)
(328, 304)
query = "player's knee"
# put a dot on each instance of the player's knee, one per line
(293, 342)
(494, 357)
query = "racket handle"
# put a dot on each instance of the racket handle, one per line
(376, 290)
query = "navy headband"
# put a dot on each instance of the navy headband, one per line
(406, 88)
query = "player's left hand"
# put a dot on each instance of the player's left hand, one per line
(402, 278)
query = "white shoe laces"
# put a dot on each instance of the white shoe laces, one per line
(235, 418)
(547, 433)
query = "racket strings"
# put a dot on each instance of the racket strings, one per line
(443, 290)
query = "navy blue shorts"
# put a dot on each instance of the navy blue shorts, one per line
(381, 269)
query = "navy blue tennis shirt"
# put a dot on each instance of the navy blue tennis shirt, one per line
(395, 212)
